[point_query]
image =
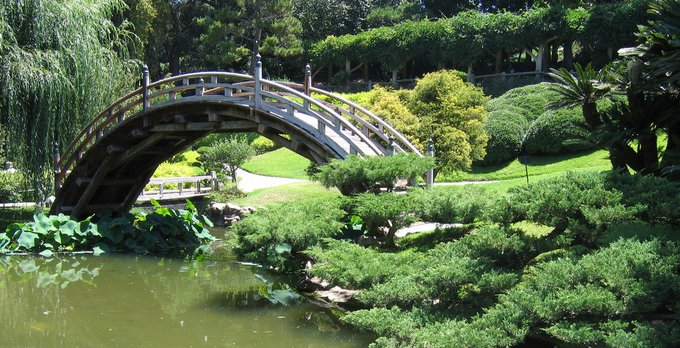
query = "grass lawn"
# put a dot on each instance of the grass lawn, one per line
(286, 193)
(282, 163)
(538, 165)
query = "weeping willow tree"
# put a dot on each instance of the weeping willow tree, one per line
(61, 62)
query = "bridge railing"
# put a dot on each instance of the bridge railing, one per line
(181, 191)
(348, 120)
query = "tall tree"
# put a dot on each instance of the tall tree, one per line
(235, 27)
(60, 63)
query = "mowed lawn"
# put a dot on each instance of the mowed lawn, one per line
(282, 163)
(537, 166)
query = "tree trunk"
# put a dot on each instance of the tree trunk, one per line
(590, 115)
(395, 73)
(671, 156)
(568, 46)
(175, 51)
(499, 61)
(539, 58)
(649, 153)
(330, 72)
(366, 72)
(348, 70)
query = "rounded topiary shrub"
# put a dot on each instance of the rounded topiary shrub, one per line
(558, 131)
(531, 101)
(505, 130)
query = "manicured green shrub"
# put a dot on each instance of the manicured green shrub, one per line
(350, 265)
(625, 293)
(617, 295)
(558, 131)
(578, 204)
(263, 144)
(387, 211)
(531, 101)
(170, 170)
(506, 131)
(356, 174)
(276, 236)
(447, 206)
(447, 278)
(452, 113)
(658, 198)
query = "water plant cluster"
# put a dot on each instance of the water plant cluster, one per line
(161, 230)
(581, 259)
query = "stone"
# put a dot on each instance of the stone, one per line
(337, 294)
(226, 214)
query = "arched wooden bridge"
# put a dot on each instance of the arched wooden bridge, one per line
(110, 161)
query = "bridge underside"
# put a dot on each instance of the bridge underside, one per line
(111, 175)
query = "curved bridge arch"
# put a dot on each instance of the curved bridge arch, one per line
(113, 157)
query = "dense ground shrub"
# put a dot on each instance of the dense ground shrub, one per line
(444, 205)
(385, 211)
(617, 296)
(275, 236)
(586, 259)
(350, 265)
(356, 174)
(558, 131)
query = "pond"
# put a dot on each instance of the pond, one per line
(144, 301)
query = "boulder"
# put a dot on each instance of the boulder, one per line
(226, 214)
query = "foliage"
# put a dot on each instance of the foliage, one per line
(170, 170)
(388, 105)
(275, 236)
(235, 29)
(506, 136)
(385, 211)
(226, 193)
(356, 174)
(263, 144)
(605, 298)
(228, 155)
(162, 230)
(60, 62)
(452, 113)
(525, 120)
(350, 265)
(448, 206)
(11, 187)
(557, 131)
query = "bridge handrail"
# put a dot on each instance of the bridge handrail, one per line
(253, 87)
(395, 134)
(103, 119)
(329, 111)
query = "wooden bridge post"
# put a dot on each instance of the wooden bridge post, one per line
(57, 169)
(258, 82)
(429, 175)
(390, 146)
(308, 79)
(145, 86)
(213, 180)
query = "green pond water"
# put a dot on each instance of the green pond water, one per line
(143, 301)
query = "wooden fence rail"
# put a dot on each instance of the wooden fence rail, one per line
(181, 191)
